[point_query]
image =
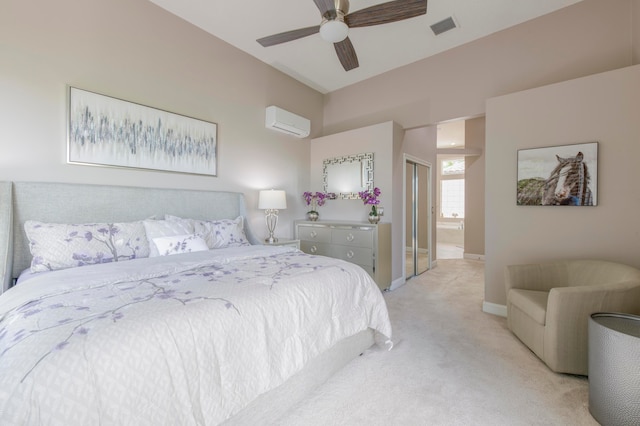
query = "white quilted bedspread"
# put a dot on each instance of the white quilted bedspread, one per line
(180, 340)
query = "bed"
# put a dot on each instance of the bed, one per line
(212, 328)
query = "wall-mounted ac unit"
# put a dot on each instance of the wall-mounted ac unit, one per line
(287, 122)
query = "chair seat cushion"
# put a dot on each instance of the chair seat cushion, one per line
(533, 303)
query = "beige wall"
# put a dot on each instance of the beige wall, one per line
(474, 189)
(134, 50)
(602, 108)
(635, 19)
(383, 140)
(586, 38)
(377, 139)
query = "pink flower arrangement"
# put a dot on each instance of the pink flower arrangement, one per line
(317, 199)
(371, 198)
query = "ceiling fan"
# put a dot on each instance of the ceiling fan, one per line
(336, 22)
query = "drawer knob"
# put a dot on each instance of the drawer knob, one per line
(313, 234)
(350, 237)
(313, 249)
(350, 254)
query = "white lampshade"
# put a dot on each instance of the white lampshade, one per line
(334, 31)
(272, 199)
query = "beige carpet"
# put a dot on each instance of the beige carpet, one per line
(452, 364)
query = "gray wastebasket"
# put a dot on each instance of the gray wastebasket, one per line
(614, 368)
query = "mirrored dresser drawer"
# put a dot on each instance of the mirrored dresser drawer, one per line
(366, 245)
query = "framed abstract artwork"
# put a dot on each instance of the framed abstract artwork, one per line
(106, 131)
(564, 175)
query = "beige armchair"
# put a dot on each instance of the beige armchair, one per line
(549, 304)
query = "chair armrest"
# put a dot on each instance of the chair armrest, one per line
(567, 303)
(537, 277)
(569, 309)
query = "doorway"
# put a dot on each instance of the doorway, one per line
(450, 186)
(418, 216)
(451, 210)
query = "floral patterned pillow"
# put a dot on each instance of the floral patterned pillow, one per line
(59, 246)
(164, 228)
(222, 233)
(179, 244)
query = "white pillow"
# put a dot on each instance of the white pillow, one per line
(164, 228)
(185, 222)
(179, 244)
(222, 233)
(60, 246)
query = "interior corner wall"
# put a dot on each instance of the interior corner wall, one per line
(635, 19)
(382, 140)
(421, 143)
(136, 51)
(600, 108)
(474, 189)
(397, 221)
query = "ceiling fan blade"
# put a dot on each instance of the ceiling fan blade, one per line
(346, 54)
(288, 36)
(386, 12)
(325, 5)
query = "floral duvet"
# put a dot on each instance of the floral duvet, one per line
(178, 340)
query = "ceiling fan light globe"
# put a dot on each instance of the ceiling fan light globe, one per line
(334, 31)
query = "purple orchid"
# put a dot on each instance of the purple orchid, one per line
(317, 199)
(370, 197)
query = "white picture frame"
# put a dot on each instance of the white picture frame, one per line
(563, 175)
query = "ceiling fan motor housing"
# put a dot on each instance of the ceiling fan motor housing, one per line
(334, 30)
(339, 6)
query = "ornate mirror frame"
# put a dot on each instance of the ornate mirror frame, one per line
(348, 175)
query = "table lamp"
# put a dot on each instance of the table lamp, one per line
(271, 201)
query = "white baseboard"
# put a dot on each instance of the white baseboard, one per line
(495, 309)
(472, 256)
(397, 283)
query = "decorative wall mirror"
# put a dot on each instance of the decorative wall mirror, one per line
(346, 176)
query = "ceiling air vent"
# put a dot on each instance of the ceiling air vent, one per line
(443, 26)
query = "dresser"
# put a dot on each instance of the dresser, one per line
(366, 245)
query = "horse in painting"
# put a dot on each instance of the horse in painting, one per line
(567, 185)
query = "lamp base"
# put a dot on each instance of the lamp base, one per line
(271, 219)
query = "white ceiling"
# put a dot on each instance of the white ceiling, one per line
(379, 48)
(451, 134)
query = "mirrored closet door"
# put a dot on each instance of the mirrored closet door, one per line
(418, 217)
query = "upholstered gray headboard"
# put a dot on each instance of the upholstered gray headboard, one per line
(80, 203)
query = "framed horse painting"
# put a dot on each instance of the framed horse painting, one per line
(564, 175)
